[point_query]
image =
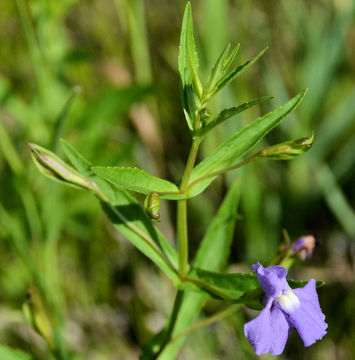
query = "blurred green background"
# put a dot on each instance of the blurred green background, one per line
(103, 75)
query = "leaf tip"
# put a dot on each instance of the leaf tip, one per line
(263, 51)
(188, 9)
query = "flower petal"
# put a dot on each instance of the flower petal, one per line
(269, 331)
(308, 319)
(272, 279)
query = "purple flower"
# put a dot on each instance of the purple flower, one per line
(285, 309)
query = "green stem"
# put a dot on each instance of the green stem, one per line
(182, 236)
(190, 164)
(210, 320)
(172, 322)
(183, 246)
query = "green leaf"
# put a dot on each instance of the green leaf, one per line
(188, 67)
(228, 113)
(128, 217)
(234, 288)
(221, 65)
(228, 61)
(188, 57)
(214, 248)
(77, 160)
(212, 255)
(235, 73)
(188, 120)
(84, 166)
(134, 179)
(7, 353)
(217, 69)
(336, 198)
(236, 146)
(189, 105)
(228, 287)
(294, 284)
(130, 220)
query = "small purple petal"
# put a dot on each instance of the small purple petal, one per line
(272, 279)
(308, 319)
(304, 246)
(299, 243)
(269, 331)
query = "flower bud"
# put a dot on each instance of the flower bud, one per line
(55, 168)
(36, 315)
(288, 149)
(304, 245)
(152, 205)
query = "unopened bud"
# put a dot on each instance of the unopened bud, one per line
(36, 315)
(288, 149)
(304, 246)
(152, 205)
(55, 168)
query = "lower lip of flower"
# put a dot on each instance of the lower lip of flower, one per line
(288, 301)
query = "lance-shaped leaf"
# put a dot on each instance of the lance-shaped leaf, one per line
(188, 68)
(212, 255)
(233, 74)
(233, 287)
(130, 220)
(229, 152)
(126, 214)
(215, 247)
(287, 150)
(229, 59)
(126, 207)
(228, 113)
(221, 65)
(134, 179)
(229, 287)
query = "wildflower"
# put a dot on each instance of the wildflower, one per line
(304, 246)
(285, 309)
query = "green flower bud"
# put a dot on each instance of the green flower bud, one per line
(287, 150)
(152, 205)
(55, 168)
(36, 315)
